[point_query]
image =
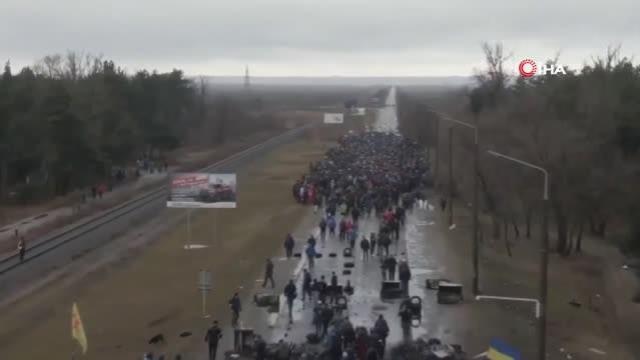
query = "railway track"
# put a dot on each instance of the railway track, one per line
(153, 200)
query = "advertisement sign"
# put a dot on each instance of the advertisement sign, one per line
(333, 118)
(358, 111)
(202, 190)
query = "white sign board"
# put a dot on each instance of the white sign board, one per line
(204, 280)
(358, 111)
(333, 118)
(202, 190)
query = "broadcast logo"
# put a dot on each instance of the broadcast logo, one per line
(528, 68)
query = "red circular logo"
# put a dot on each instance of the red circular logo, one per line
(527, 68)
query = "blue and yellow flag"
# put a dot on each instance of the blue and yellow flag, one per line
(500, 350)
(77, 329)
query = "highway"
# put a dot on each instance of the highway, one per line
(69, 243)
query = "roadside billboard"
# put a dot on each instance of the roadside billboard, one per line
(333, 118)
(358, 111)
(202, 191)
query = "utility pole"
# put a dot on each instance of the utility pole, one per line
(247, 82)
(544, 271)
(450, 175)
(476, 205)
(437, 131)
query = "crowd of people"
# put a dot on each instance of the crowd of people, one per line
(368, 175)
(367, 172)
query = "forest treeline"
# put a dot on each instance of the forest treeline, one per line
(70, 120)
(583, 127)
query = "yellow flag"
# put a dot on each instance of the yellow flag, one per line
(77, 329)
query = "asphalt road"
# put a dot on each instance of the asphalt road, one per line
(65, 245)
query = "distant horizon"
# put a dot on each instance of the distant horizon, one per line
(336, 76)
(352, 80)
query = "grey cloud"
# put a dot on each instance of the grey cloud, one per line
(291, 31)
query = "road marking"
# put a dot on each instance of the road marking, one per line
(195, 247)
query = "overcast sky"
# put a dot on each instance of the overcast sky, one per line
(316, 37)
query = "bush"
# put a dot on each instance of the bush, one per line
(27, 194)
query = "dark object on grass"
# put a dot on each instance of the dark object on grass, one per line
(157, 339)
(574, 303)
(185, 334)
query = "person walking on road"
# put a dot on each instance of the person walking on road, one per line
(391, 264)
(353, 236)
(404, 273)
(22, 248)
(291, 294)
(343, 229)
(384, 242)
(395, 228)
(373, 243)
(322, 289)
(323, 229)
(268, 274)
(381, 328)
(289, 244)
(331, 223)
(311, 241)
(317, 318)
(355, 214)
(311, 255)
(214, 334)
(400, 215)
(306, 285)
(236, 307)
(405, 320)
(327, 315)
(333, 293)
(364, 245)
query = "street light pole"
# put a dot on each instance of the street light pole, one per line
(476, 206)
(437, 140)
(544, 270)
(476, 185)
(544, 254)
(450, 175)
